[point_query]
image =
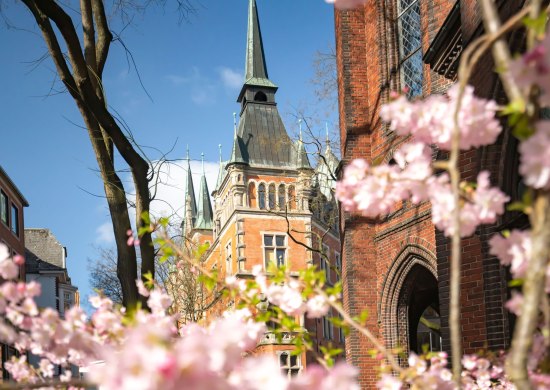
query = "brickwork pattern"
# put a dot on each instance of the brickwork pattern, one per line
(375, 251)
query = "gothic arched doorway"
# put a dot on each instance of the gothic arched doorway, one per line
(409, 305)
(419, 297)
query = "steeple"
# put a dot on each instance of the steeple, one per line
(190, 205)
(221, 172)
(238, 153)
(204, 212)
(302, 161)
(255, 66)
(261, 137)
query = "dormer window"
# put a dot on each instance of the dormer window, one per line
(260, 97)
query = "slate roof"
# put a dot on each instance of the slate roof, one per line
(264, 137)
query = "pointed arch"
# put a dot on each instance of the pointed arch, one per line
(252, 196)
(261, 196)
(409, 289)
(271, 196)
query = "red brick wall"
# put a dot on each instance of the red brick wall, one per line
(367, 71)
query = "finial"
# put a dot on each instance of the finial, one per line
(220, 148)
(187, 158)
(300, 124)
(235, 124)
(202, 158)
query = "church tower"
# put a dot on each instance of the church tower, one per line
(262, 212)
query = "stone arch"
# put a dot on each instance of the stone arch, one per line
(410, 287)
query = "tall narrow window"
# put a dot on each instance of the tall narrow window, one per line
(4, 207)
(252, 195)
(274, 249)
(228, 260)
(291, 198)
(261, 196)
(410, 46)
(271, 196)
(15, 219)
(281, 197)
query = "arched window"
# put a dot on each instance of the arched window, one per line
(281, 197)
(291, 198)
(410, 46)
(271, 196)
(260, 97)
(252, 195)
(261, 196)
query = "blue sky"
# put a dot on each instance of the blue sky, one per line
(192, 72)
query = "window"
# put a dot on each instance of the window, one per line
(4, 207)
(289, 364)
(260, 97)
(327, 329)
(274, 249)
(67, 301)
(338, 263)
(325, 262)
(271, 196)
(410, 45)
(228, 262)
(15, 219)
(252, 195)
(261, 196)
(281, 197)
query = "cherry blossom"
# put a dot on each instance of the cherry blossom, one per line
(431, 120)
(346, 4)
(513, 250)
(533, 68)
(535, 157)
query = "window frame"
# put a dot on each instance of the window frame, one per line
(14, 225)
(228, 258)
(288, 367)
(274, 247)
(401, 57)
(4, 208)
(325, 263)
(261, 196)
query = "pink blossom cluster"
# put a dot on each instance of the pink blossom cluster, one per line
(376, 190)
(346, 4)
(144, 350)
(535, 157)
(432, 121)
(514, 250)
(287, 296)
(533, 68)
(431, 372)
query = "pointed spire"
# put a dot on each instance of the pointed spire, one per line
(221, 171)
(190, 205)
(302, 161)
(204, 212)
(238, 154)
(255, 65)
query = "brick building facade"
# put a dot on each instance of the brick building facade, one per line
(266, 192)
(12, 233)
(415, 46)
